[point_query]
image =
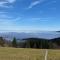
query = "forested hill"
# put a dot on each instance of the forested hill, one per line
(43, 43)
(32, 43)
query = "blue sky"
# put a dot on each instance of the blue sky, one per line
(29, 15)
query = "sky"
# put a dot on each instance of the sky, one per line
(29, 15)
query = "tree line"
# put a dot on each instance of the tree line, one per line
(31, 43)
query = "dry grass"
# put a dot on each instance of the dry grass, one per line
(54, 55)
(27, 54)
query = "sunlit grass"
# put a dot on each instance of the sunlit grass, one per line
(54, 55)
(27, 54)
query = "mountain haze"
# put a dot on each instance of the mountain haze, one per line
(22, 35)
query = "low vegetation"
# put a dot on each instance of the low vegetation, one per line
(27, 54)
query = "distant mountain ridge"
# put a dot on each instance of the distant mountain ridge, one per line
(23, 35)
(57, 31)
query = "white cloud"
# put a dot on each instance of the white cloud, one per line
(35, 3)
(9, 23)
(36, 19)
(2, 12)
(17, 19)
(7, 18)
(11, 1)
(6, 3)
(40, 19)
(4, 16)
(51, 2)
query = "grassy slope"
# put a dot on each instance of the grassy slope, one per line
(54, 55)
(27, 54)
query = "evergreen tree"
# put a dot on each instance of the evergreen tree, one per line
(14, 42)
(1, 41)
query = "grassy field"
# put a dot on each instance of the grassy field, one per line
(27, 54)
